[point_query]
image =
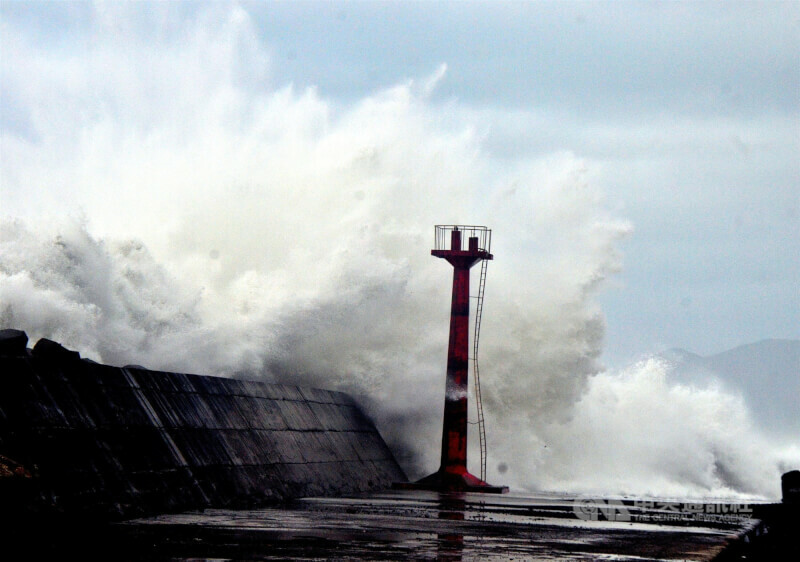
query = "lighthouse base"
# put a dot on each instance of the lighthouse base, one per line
(443, 481)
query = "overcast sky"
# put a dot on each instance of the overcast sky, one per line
(686, 115)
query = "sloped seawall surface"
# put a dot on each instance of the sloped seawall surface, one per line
(80, 437)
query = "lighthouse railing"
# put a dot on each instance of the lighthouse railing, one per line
(443, 236)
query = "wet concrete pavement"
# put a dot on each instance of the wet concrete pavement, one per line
(395, 525)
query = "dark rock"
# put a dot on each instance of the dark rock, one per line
(13, 342)
(48, 349)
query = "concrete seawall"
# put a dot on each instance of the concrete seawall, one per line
(110, 442)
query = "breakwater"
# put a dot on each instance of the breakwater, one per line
(117, 442)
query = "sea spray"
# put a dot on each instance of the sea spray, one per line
(639, 431)
(165, 204)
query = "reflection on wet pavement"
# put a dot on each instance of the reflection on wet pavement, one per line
(429, 525)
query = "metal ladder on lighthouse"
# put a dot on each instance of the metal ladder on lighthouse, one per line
(476, 371)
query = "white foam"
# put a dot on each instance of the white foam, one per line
(168, 206)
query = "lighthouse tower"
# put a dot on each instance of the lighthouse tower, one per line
(453, 474)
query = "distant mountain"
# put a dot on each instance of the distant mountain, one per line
(766, 373)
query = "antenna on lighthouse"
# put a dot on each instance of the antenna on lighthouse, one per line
(453, 474)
